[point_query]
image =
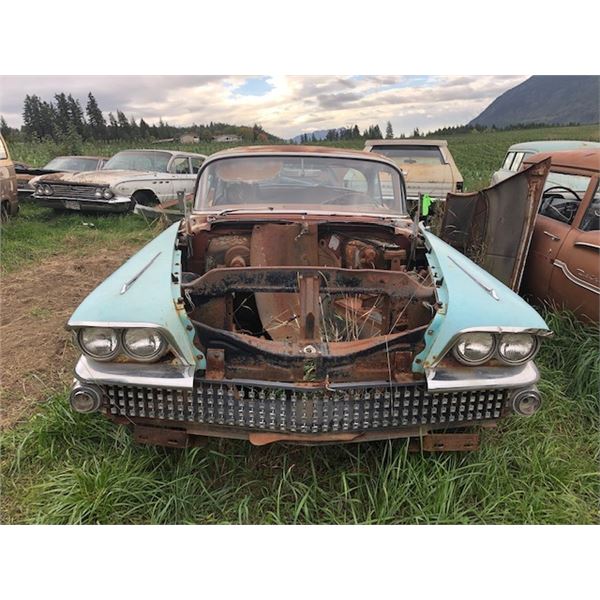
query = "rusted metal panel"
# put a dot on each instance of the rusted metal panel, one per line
(493, 227)
(215, 363)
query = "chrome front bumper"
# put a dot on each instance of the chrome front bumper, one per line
(115, 204)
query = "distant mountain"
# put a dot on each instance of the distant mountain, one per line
(552, 99)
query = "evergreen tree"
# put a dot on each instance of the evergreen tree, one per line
(356, 132)
(4, 128)
(76, 117)
(389, 132)
(63, 114)
(113, 127)
(124, 126)
(144, 130)
(416, 132)
(96, 119)
(377, 132)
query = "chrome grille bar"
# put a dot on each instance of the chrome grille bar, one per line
(314, 410)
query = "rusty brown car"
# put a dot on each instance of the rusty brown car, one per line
(563, 265)
(299, 303)
(9, 203)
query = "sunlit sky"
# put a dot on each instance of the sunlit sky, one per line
(284, 105)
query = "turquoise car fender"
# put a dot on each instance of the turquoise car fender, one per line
(145, 291)
(470, 299)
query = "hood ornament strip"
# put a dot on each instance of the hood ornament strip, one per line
(129, 283)
(490, 290)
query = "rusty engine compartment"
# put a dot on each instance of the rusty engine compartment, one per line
(307, 300)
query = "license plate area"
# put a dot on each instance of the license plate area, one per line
(72, 205)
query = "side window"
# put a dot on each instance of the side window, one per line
(180, 165)
(562, 196)
(3, 152)
(591, 219)
(196, 164)
(517, 162)
(508, 160)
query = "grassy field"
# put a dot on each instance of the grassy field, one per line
(60, 467)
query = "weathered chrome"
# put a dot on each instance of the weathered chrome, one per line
(142, 374)
(129, 283)
(482, 377)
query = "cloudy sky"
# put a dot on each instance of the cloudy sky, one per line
(283, 105)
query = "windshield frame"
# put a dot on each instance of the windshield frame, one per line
(91, 160)
(328, 210)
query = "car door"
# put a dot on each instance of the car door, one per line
(182, 177)
(561, 202)
(574, 281)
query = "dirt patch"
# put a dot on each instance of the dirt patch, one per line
(37, 355)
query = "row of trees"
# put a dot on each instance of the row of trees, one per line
(65, 118)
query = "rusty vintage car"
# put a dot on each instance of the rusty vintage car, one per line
(428, 165)
(563, 265)
(299, 303)
(59, 164)
(9, 203)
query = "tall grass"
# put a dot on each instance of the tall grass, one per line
(63, 467)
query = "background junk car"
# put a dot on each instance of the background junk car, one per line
(130, 177)
(299, 303)
(60, 164)
(563, 264)
(518, 153)
(427, 165)
(9, 203)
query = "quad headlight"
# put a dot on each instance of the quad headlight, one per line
(475, 348)
(98, 192)
(517, 348)
(43, 189)
(107, 194)
(478, 347)
(101, 343)
(143, 344)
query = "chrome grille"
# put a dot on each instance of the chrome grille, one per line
(304, 410)
(73, 191)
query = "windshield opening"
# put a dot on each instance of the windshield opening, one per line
(300, 183)
(409, 155)
(139, 161)
(72, 163)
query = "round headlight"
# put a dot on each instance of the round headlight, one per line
(107, 194)
(98, 193)
(101, 343)
(144, 344)
(48, 191)
(517, 348)
(474, 348)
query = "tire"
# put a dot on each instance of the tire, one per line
(4, 211)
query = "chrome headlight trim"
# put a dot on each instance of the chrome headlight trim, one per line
(465, 361)
(107, 194)
(162, 349)
(85, 350)
(530, 356)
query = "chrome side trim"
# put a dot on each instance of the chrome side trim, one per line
(166, 375)
(551, 235)
(129, 283)
(490, 290)
(587, 245)
(571, 277)
(473, 378)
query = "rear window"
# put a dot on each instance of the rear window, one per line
(410, 155)
(3, 152)
(508, 161)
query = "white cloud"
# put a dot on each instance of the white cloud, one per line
(292, 105)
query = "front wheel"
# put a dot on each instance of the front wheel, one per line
(145, 198)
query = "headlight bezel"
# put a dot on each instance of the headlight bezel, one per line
(497, 355)
(162, 350)
(474, 363)
(103, 358)
(107, 194)
(121, 350)
(530, 356)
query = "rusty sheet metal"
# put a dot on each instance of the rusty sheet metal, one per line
(493, 227)
(215, 363)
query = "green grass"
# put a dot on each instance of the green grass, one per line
(38, 233)
(60, 467)
(63, 467)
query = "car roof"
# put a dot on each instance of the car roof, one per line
(301, 149)
(77, 156)
(407, 142)
(179, 152)
(584, 158)
(552, 146)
